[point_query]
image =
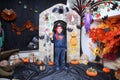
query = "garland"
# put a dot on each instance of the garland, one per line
(27, 25)
(10, 15)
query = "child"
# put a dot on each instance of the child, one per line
(59, 41)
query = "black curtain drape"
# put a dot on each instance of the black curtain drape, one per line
(12, 40)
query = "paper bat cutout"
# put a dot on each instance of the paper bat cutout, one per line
(69, 29)
(114, 6)
(41, 37)
(95, 8)
(78, 26)
(105, 17)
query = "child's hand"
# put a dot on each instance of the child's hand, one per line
(51, 34)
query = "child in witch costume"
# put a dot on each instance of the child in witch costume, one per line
(59, 40)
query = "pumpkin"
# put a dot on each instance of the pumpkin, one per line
(117, 74)
(106, 70)
(51, 63)
(75, 62)
(91, 72)
(39, 62)
(26, 60)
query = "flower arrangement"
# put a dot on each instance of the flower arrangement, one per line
(107, 34)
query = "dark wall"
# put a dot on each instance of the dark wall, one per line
(13, 41)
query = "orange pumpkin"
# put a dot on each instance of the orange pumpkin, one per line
(39, 62)
(106, 70)
(92, 74)
(18, 33)
(26, 60)
(51, 63)
(75, 62)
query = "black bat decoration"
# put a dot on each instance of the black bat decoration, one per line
(105, 18)
(92, 3)
(41, 37)
(69, 29)
(95, 8)
(114, 6)
(78, 26)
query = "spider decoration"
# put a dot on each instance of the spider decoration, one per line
(8, 15)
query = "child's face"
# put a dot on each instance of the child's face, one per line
(59, 30)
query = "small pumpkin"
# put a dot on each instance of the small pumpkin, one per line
(117, 74)
(39, 62)
(75, 62)
(106, 70)
(91, 72)
(26, 60)
(51, 63)
(18, 33)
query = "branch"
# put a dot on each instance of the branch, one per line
(97, 3)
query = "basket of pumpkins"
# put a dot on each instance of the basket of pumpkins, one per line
(91, 72)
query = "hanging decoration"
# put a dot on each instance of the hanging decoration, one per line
(8, 14)
(36, 11)
(28, 25)
(25, 6)
(72, 18)
(87, 19)
(73, 43)
(19, 2)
